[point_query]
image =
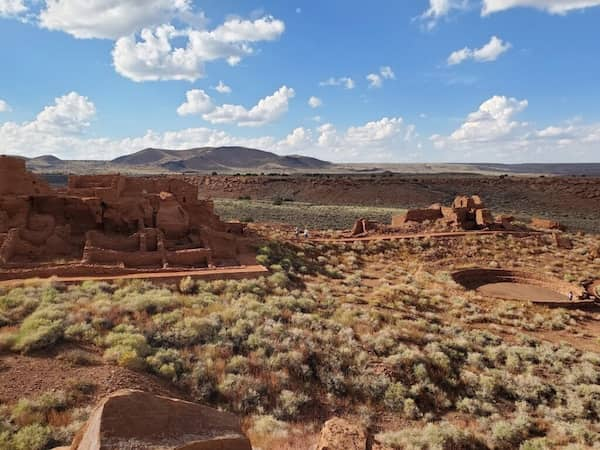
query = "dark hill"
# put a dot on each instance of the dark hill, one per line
(218, 158)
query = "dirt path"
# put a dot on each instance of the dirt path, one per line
(159, 277)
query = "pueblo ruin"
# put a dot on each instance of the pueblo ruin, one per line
(466, 213)
(109, 223)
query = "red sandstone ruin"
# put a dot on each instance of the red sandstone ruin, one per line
(466, 213)
(110, 221)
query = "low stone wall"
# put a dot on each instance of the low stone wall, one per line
(113, 242)
(198, 257)
(128, 259)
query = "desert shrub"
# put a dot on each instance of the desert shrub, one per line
(79, 357)
(535, 444)
(81, 332)
(290, 403)
(394, 397)
(41, 329)
(203, 381)
(187, 286)
(440, 436)
(27, 411)
(32, 437)
(243, 393)
(189, 330)
(127, 347)
(238, 364)
(510, 434)
(269, 426)
(166, 363)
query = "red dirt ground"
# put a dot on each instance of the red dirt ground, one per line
(29, 376)
(520, 291)
(572, 200)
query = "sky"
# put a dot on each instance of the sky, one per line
(347, 81)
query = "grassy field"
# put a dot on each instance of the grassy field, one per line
(322, 217)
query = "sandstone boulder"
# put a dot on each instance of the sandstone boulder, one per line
(137, 420)
(339, 434)
(546, 224)
(363, 226)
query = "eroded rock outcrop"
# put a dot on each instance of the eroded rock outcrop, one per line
(546, 224)
(340, 434)
(137, 420)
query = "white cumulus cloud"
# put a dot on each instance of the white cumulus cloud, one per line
(493, 120)
(439, 9)
(551, 6)
(489, 52)
(493, 133)
(154, 56)
(112, 19)
(12, 8)
(375, 81)
(315, 102)
(267, 110)
(222, 88)
(387, 73)
(198, 102)
(4, 107)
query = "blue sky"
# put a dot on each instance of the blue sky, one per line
(409, 81)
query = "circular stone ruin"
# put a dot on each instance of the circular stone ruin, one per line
(520, 285)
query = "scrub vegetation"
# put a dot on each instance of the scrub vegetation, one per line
(373, 331)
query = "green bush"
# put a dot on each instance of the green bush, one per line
(127, 347)
(32, 437)
(41, 329)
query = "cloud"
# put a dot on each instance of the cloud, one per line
(4, 107)
(61, 129)
(439, 9)
(493, 120)
(494, 133)
(315, 102)
(489, 52)
(387, 73)
(198, 102)
(551, 6)
(347, 82)
(222, 88)
(267, 110)
(112, 19)
(379, 140)
(12, 8)
(300, 138)
(154, 57)
(375, 81)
